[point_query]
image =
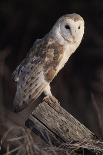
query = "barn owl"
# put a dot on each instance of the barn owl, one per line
(46, 58)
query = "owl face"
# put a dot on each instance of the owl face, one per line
(70, 28)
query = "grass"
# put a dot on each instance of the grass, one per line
(20, 141)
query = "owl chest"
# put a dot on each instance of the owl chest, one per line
(65, 57)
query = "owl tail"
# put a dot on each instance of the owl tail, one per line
(18, 103)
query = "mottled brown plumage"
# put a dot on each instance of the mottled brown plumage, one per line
(46, 58)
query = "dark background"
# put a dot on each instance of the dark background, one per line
(79, 86)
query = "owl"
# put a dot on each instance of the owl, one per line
(45, 59)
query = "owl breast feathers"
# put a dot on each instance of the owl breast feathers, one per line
(44, 60)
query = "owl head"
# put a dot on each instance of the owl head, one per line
(69, 29)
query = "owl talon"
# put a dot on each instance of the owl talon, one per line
(50, 100)
(46, 98)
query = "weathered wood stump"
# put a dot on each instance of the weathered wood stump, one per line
(50, 121)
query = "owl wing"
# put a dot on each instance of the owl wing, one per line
(36, 71)
(20, 68)
(30, 79)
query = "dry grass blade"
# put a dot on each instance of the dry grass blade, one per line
(95, 146)
(17, 142)
(27, 146)
(14, 150)
(16, 139)
(7, 150)
(5, 135)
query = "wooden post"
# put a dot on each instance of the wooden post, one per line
(53, 123)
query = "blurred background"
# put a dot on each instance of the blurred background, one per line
(79, 86)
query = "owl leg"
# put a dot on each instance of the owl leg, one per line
(49, 98)
(47, 90)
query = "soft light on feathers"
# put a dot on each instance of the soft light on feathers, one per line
(46, 58)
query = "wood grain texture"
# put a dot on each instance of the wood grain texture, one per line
(59, 121)
(55, 125)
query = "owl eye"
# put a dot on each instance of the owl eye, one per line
(78, 27)
(67, 27)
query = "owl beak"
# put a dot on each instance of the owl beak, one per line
(73, 39)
